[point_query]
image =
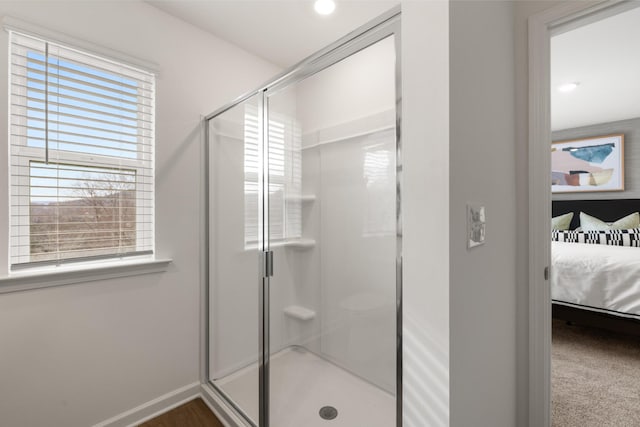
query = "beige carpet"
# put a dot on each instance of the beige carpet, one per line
(595, 378)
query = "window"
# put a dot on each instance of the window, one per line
(379, 164)
(285, 174)
(81, 155)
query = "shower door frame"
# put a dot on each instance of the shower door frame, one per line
(386, 25)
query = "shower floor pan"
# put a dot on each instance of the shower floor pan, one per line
(303, 384)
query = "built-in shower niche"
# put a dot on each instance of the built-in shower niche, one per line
(313, 165)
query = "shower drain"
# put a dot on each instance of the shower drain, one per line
(328, 412)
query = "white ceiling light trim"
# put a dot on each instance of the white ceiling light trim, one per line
(324, 7)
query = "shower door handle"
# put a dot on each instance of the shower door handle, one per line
(268, 264)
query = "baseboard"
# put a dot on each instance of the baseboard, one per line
(225, 414)
(154, 407)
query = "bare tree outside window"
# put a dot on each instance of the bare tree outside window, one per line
(91, 214)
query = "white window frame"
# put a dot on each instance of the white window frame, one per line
(78, 272)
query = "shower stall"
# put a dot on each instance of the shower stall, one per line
(304, 240)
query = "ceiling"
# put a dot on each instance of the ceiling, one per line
(282, 32)
(604, 57)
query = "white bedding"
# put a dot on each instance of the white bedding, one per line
(596, 276)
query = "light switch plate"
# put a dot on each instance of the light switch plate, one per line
(476, 224)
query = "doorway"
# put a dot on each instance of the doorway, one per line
(543, 27)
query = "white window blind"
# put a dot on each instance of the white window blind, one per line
(81, 155)
(285, 176)
(379, 175)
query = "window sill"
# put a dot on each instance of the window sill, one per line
(67, 275)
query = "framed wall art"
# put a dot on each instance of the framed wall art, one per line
(588, 164)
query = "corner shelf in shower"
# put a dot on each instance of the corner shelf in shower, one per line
(300, 244)
(305, 198)
(299, 312)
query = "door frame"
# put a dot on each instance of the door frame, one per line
(542, 27)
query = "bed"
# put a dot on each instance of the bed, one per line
(596, 277)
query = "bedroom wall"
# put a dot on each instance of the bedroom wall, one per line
(482, 154)
(631, 130)
(76, 355)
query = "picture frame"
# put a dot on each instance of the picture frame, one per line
(592, 164)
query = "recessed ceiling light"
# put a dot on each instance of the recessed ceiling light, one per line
(324, 7)
(568, 87)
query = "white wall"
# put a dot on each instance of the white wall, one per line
(483, 279)
(78, 354)
(352, 89)
(425, 142)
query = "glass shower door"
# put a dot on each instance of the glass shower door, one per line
(331, 186)
(235, 252)
(304, 241)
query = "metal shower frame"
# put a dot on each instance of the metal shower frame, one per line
(386, 25)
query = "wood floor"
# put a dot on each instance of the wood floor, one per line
(192, 414)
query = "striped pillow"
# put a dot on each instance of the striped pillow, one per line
(630, 237)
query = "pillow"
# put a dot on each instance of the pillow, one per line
(561, 222)
(602, 237)
(590, 223)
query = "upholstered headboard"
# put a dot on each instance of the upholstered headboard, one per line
(606, 210)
